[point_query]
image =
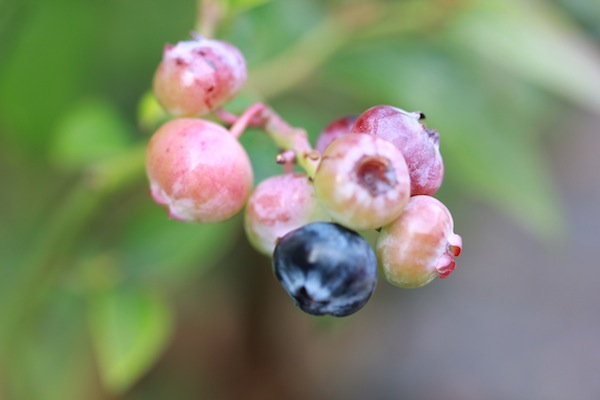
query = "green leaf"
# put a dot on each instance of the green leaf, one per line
(158, 248)
(45, 66)
(262, 152)
(89, 132)
(537, 43)
(150, 113)
(50, 359)
(239, 6)
(130, 327)
(509, 174)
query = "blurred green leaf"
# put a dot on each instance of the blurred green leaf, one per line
(254, 33)
(46, 67)
(56, 338)
(150, 113)
(262, 152)
(536, 42)
(89, 132)
(586, 12)
(130, 327)
(239, 6)
(511, 175)
(153, 246)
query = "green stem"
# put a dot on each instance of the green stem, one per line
(208, 16)
(286, 137)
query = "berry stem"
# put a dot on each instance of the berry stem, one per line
(208, 17)
(255, 113)
(286, 137)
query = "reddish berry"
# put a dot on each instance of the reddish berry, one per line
(198, 170)
(279, 205)
(198, 76)
(419, 245)
(335, 129)
(362, 181)
(420, 146)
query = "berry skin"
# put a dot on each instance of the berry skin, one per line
(198, 170)
(278, 205)
(420, 146)
(198, 76)
(335, 129)
(326, 269)
(362, 181)
(419, 245)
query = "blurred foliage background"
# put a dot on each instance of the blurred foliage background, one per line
(103, 297)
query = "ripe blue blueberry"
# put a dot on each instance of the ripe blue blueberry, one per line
(326, 268)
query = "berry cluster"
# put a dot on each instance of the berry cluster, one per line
(378, 170)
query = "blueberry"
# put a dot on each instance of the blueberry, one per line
(326, 268)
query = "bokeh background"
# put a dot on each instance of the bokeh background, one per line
(103, 297)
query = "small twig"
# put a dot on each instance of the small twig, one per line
(254, 113)
(283, 135)
(229, 118)
(208, 17)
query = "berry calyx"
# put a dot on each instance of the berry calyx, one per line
(277, 206)
(198, 170)
(420, 245)
(362, 181)
(418, 145)
(198, 76)
(326, 269)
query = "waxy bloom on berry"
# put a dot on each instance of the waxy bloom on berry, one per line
(280, 204)
(419, 146)
(198, 76)
(198, 170)
(362, 181)
(420, 245)
(326, 269)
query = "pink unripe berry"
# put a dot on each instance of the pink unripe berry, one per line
(198, 170)
(420, 245)
(362, 181)
(335, 129)
(419, 145)
(198, 76)
(279, 205)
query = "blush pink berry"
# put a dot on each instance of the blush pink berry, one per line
(198, 170)
(279, 205)
(420, 245)
(334, 130)
(418, 145)
(362, 181)
(198, 76)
